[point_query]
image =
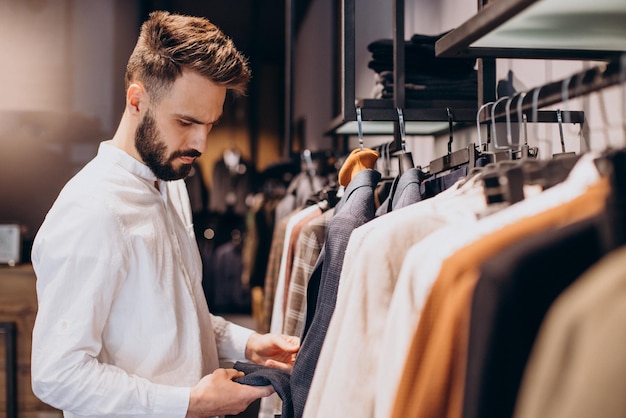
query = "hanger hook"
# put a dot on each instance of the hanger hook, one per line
(521, 119)
(359, 122)
(480, 109)
(559, 119)
(493, 123)
(387, 157)
(401, 125)
(535, 111)
(565, 94)
(559, 114)
(450, 129)
(507, 108)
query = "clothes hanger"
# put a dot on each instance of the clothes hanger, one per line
(521, 116)
(359, 159)
(386, 155)
(521, 149)
(560, 120)
(491, 154)
(535, 114)
(548, 172)
(386, 185)
(494, 136)
(387, 158)
(359, 124)
(453, 159)
(503, 180)
(405, 159)
(478, 130)
(507, 112)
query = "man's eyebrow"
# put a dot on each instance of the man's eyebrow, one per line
(196, 121)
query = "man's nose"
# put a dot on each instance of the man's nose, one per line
(198, 139)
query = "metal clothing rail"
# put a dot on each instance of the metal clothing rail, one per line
(576, 85)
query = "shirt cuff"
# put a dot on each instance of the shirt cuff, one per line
(239, 339)
(171, 401)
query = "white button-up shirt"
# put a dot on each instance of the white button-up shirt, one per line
(123, 327)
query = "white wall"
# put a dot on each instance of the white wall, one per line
(59, 57)
(34, 40)
(61, 83)
(313, 72)
(94, 51)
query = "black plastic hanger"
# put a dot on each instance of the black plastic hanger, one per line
(453, 159)
(405, 159)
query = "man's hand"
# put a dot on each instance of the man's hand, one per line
(273, 350)
(217, 394)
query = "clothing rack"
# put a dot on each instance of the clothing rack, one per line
(516, 173)
(577, 85)
(425, 110)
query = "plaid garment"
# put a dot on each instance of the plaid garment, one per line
(307, 250)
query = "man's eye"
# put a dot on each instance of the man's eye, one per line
(183, 122)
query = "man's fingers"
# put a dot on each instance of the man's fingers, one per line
(265, 391)
(278, 365)
(233, 374)
(293, 343)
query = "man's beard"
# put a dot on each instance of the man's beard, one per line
(152, 151)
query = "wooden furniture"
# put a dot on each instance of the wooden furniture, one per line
(10, 368)
(18, 308)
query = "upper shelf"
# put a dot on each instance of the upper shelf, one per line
(542, 29)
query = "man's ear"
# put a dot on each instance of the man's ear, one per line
(136, 98)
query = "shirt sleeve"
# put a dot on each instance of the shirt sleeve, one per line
(231, 339)
(75, 268)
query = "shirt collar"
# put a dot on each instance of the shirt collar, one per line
(125, 160)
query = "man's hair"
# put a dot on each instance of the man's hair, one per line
(169, 43)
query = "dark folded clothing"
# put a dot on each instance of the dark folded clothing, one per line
(431, 81)
(427, 39)
(431, 87)
(419, 57)
(417, 43)
(440, 66)
(433, 94)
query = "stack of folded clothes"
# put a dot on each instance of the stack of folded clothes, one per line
(426, 77)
